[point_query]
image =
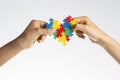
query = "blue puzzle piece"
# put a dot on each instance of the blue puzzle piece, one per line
(66, 24)
(51, 20)
(71, 33)
(49, 26)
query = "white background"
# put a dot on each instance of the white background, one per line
(79, 60)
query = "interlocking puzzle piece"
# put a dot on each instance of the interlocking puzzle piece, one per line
(67, 38)
(68, 19)
(73, 22)
(55, 25)
(63, 31)
(59, 31)
(66, 24)
(62, 39)
(54, 35)
(49, 25)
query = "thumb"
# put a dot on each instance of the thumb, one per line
(46, 31)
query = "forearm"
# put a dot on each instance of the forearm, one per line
(9, 50)
(111, 46)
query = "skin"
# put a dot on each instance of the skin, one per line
(96, 35)
(36, 32)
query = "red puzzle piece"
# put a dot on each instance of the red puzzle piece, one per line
(67, 38)
(68, 19)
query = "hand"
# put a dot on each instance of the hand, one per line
(34, 32)
(96, 35)
(86, 26)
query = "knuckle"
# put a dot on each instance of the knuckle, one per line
(85, 17)
(34, 21)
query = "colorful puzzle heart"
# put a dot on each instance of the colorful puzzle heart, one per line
(62, 32)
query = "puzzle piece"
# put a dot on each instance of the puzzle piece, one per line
(68, 19)
(63, 31)
(73, 22)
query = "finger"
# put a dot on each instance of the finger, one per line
(37, 23)
(72, 27)
(81, 20)
(41, 38)
(42, 24)
(80, 35)
(39, 41)
(92, 40)
(79, 31)
(46, 31)
(80, 27)
(77, 19)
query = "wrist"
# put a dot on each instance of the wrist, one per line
(105, 40)
(101, 37)
(20, 43)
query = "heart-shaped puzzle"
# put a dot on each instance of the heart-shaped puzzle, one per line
(62, 32)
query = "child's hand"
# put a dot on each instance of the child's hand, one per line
(35, 31)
